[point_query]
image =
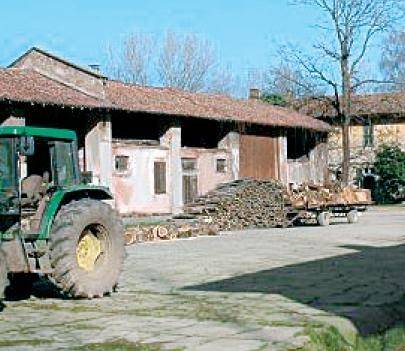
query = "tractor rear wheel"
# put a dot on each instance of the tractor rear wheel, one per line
(86, 249)
(3, 274)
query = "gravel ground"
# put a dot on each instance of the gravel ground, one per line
(250, 290)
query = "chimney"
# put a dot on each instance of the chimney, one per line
(254, 93)
(95, 67)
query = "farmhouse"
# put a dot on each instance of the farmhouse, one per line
(157, 148)
(377, 119)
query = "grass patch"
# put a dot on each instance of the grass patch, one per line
(120, 345)
(330, 339)
(186, 306)
(54, 306)
(23, 342)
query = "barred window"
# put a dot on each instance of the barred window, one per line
(160, 177)
(221, 165)
(121, 163)
(188, 164)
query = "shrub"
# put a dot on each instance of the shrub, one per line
(390, 169)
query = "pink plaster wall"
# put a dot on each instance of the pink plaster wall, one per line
(208, 177)
(134, 189)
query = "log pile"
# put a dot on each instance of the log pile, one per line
(175, 228)
(242, 204)
(245, 204)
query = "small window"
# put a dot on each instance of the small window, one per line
(188, 164)
(160, 177)
(368, 134)
(221, 165)
(122, 163)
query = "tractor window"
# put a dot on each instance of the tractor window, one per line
(40, 162)
(63, 163)
(7, 171)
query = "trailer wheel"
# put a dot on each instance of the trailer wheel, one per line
(323, 219)
(87, 249)
(3, 274)
(353, 216)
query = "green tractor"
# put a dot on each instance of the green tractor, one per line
(52, 223)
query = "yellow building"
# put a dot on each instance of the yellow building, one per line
(377, 119)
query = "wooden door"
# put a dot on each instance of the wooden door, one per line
(259, 157)
(190, 188)
(190, 179)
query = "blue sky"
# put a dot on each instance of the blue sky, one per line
(245, 32)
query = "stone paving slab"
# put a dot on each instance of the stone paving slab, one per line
(252, 290)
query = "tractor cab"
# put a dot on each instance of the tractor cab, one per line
(34, 163)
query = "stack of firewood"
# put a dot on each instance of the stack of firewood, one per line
(242, 204)
(307, 196)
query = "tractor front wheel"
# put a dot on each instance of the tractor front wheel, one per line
(3, 274)
(87, 249)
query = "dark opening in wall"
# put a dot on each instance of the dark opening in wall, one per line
(203, 133)
(139, 126)
(299, 143)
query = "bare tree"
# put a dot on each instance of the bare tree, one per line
(185, 62)
(393, 60)
(289, 82)
(138, 50)
(222, 81)
(335, 64)
(132, 62)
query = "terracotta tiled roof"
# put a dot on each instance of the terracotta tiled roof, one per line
(29, 86)
(363, 105)
(211, 106)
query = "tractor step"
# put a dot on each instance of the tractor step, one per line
(37, 256)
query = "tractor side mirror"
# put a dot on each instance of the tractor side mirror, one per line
(27, 146)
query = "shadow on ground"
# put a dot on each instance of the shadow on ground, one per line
(366, 286)
(23, 286)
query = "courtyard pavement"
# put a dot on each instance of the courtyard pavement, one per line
(250, 290)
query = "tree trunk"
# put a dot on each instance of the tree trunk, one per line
(346, 153)
(346, 106)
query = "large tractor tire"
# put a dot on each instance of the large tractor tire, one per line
(3, 274)
(86, 249)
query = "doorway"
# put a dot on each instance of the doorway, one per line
(190, 179)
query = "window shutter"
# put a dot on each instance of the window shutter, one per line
(160, 177)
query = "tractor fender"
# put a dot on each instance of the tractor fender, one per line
(64, 196)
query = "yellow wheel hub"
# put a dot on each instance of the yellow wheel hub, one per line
(87, 251)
